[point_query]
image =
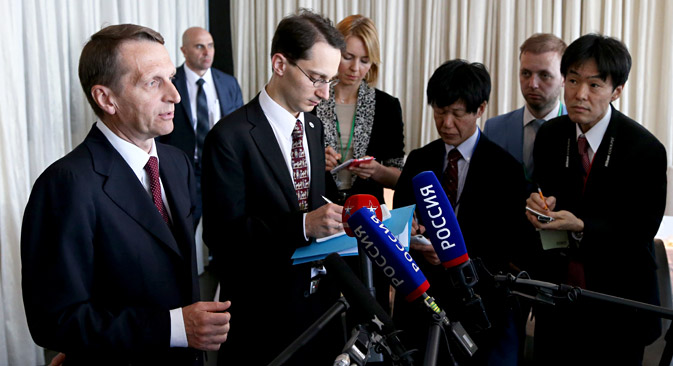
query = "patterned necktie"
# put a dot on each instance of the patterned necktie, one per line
(202, 122)
(450, 177)
(152, 168)
(583, 147)
(299, 167)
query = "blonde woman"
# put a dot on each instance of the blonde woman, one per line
(360, 120)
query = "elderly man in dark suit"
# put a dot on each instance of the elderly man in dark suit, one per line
(486, 187)
(263, 178)
(605, 180)
(107, 243)
(207, 94)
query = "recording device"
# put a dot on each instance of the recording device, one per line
(367, 310)
(540, 216)
(386, 253)
(356, 350)
(442, 227)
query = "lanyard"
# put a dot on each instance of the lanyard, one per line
(560, 109)
(350, 138)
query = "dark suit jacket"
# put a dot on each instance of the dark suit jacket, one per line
(101, 269)
(491, 215)
(183, 135)
(506, 130)
(621, 205)
(252, 225)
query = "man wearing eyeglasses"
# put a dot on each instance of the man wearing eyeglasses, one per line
(263, 178)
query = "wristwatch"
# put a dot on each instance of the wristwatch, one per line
(577, 235)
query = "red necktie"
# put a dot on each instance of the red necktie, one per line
(583, 148)
(450, 177)
(152, 168)
(299, 167)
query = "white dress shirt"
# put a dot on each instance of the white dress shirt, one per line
(595, 134)
(530, 132)
(282, 123)
(214, 113)
(137, 158)
(466, 150)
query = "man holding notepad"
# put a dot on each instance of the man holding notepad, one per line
(592, 166)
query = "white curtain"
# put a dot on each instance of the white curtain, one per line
(418, 35)
(44, 114)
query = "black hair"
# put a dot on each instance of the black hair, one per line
(297, 33)
(459, 80)
(610, 54)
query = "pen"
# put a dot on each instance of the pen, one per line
(326, 199)
(544, 200)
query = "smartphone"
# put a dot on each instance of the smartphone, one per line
(540, 216)
(357, 162)
(351, 162)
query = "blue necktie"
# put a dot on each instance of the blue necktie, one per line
(202, 122)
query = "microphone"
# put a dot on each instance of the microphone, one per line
(356, 202)
(442, 227)
(367, 309)
(386, 252)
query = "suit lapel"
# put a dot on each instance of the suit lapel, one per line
(316, 150)
(267, 144)
(602, 158)
(125, 190)
(220, 93)
(178, 198)
(181, 85)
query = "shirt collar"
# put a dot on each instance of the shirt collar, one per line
(528, 117)
(595, 134)
(192, 77)
(466, 148)
(278, 116)
(134, 156)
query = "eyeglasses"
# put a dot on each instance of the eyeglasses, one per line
(317, 83)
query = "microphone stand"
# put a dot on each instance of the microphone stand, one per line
(571, 293)
(340, 306)
(439, 320)
(367, 277)
(430, 358)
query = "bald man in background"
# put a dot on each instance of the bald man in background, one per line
(196, 114)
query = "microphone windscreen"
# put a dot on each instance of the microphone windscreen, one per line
(356, 202)
(388, 254)
(439, 220)
(362, 303)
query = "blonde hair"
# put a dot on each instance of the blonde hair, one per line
(363, 27)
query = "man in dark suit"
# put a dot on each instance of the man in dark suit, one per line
(219, 93)
(541, 84)
(486, 189)
(263, 178)
(605, 180)
(107, 242)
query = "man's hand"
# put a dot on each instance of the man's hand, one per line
(324, 221)
(428, 252)
(206, 324)
(57, 360)
(536, 203)
(563, 220)
(331, 158)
